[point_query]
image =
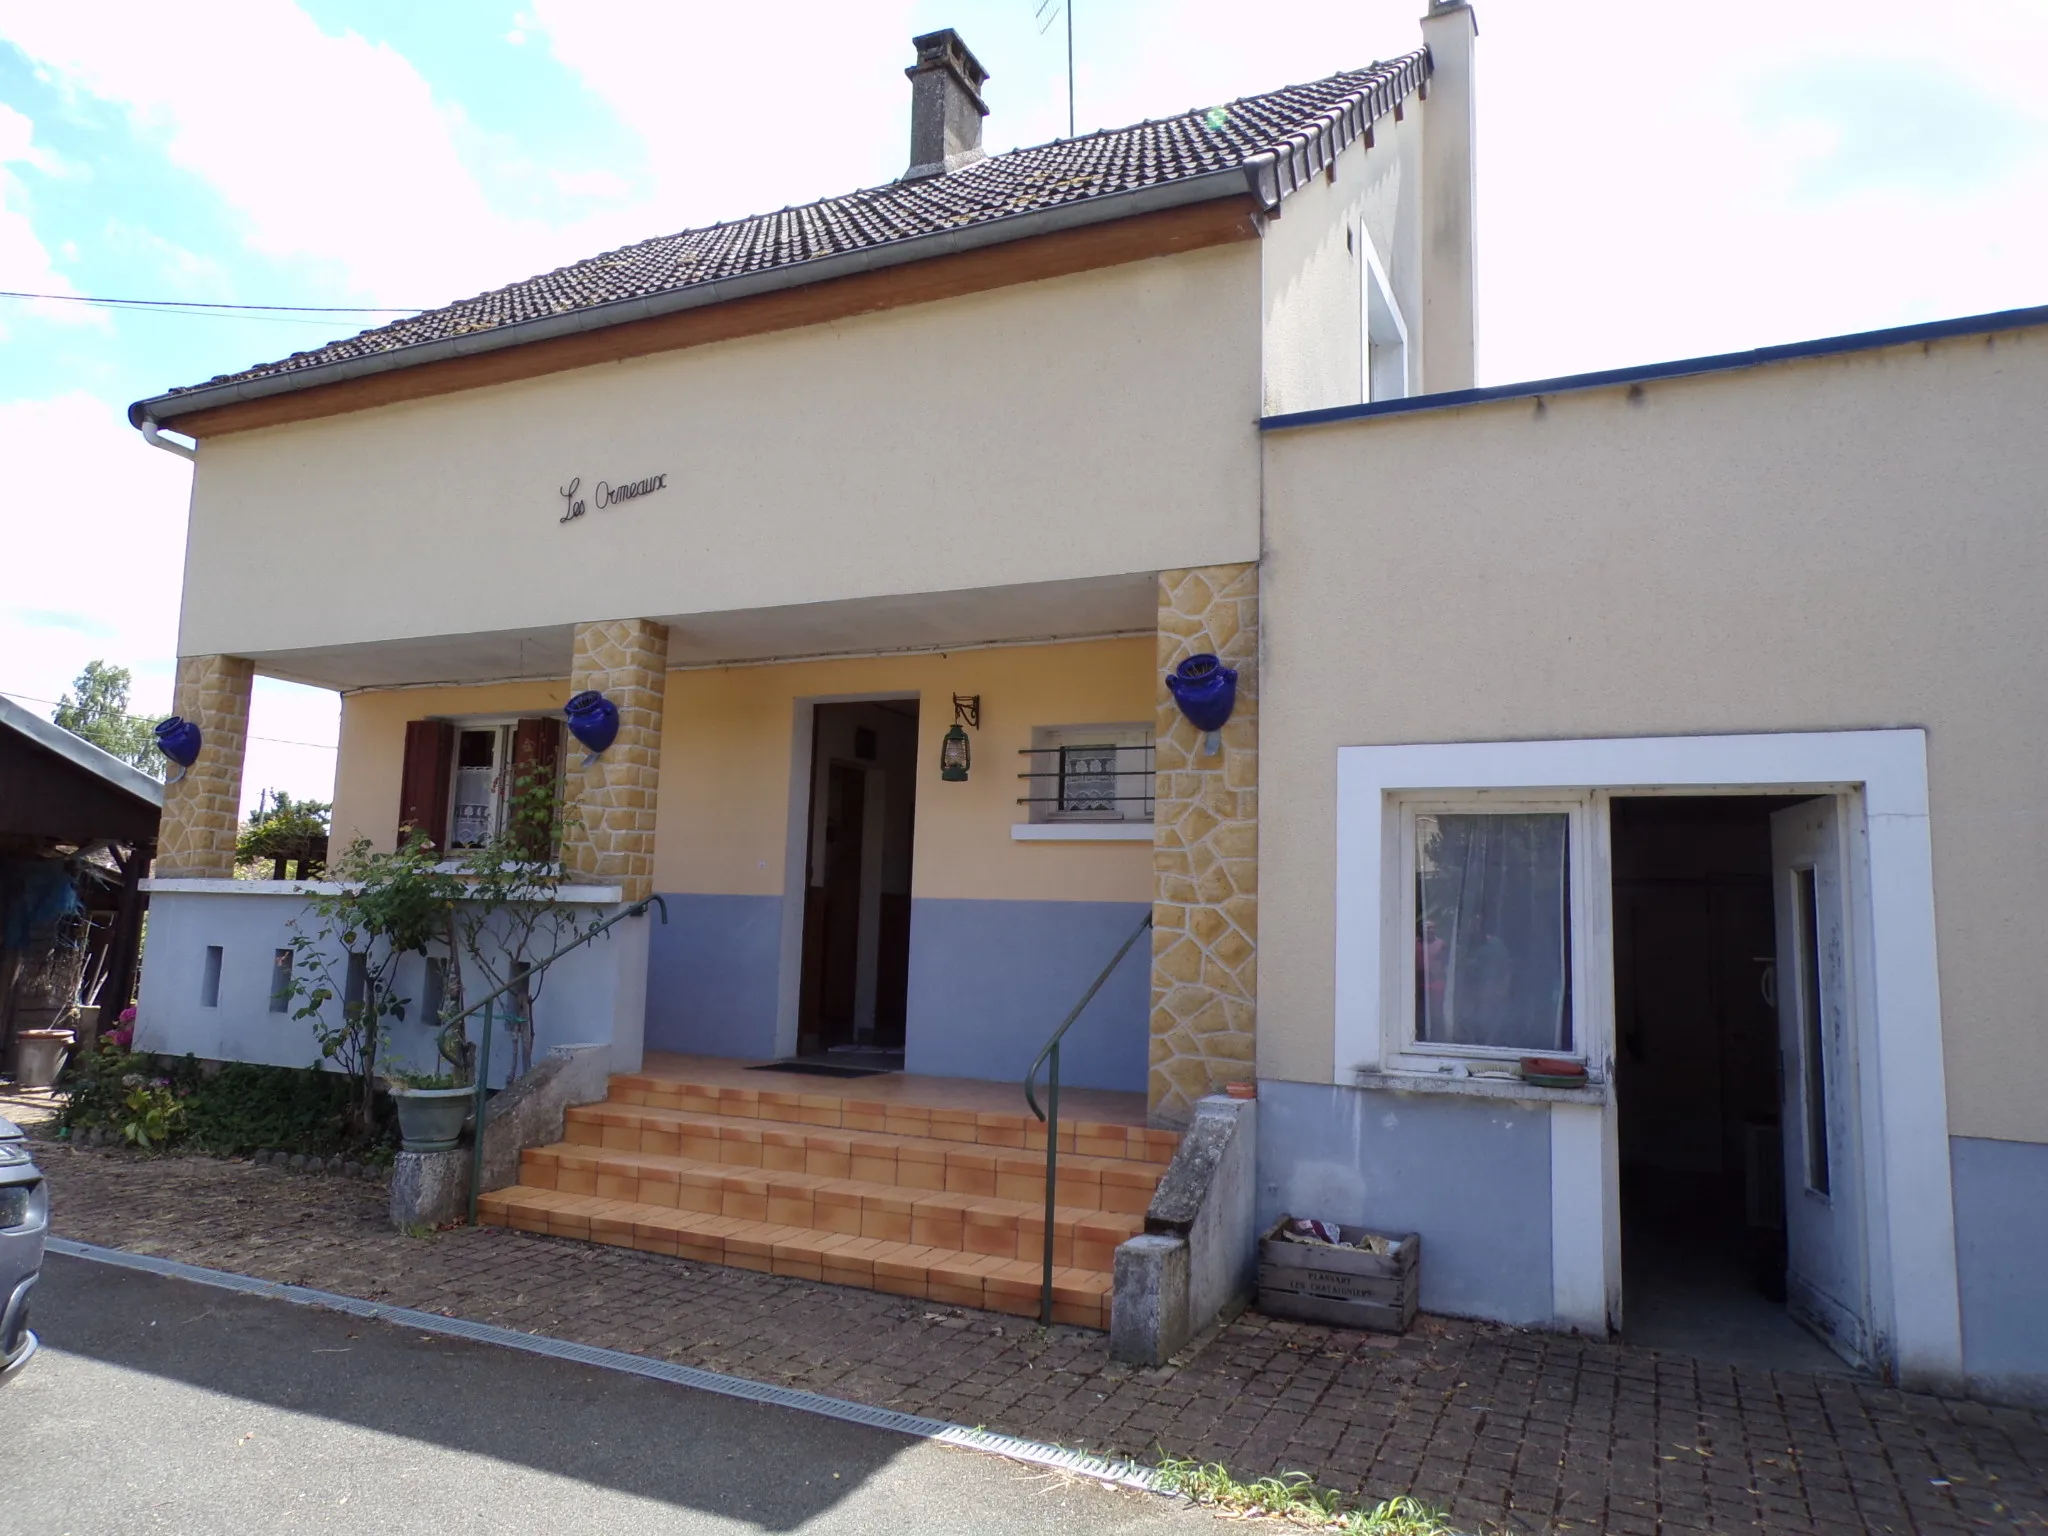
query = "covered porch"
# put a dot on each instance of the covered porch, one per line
(901, 831)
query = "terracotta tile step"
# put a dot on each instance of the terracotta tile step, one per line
(947, 1276)
(1085, 1238)
(1105, 1183)
(842, 1112)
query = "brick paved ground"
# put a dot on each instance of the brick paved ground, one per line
(1507, 1430)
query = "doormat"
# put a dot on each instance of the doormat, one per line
(821, 1069)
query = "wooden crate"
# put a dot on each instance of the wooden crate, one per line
(1341, 1287)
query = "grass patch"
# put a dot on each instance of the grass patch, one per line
(1294, 1497)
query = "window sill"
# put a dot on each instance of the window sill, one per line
(1081, 832)
(1595, 1092)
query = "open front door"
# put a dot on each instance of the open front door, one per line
(1816, 1053)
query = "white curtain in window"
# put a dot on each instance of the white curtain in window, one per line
(1493, 931)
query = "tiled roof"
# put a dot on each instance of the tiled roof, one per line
(1300, 128)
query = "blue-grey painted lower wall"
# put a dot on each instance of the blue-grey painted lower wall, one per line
(1472, 1176)
(2001, 1191)
(990, 980)
(711, 976)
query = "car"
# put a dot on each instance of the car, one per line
(24, 1219)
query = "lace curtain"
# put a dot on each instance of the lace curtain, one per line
(1493, 931)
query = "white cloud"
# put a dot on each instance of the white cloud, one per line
(327, 147)
(25, 264)
(1657, 182)
(93, 527)
(739, 109)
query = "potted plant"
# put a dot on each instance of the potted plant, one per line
(431, 1110)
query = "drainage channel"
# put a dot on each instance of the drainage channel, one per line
(1125, 1474)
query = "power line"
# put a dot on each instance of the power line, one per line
(304, 309)
(282, 741)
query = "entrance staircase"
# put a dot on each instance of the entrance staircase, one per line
(916, 1199)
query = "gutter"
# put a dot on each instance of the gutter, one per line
(1257, 178)
(156, 439)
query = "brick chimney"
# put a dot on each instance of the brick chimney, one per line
(946, 108)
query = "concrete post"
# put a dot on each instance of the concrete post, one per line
(1148, 1309)
(1449, 197)
(203, 809)
(611, 804)
(1205, 851)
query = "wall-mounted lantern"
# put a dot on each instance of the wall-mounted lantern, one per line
(594, 721)
(1206, 691)
(179, 740)
(955, 755)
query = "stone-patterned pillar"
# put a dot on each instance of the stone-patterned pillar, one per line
(1205, 851)
(610, 834)
(203, 810)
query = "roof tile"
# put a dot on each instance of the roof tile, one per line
(1302, 125)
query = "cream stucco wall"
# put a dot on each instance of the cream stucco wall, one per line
(723, 819)
(1312, 275)
(1841, 542)
(723, 826)
(1081, 426)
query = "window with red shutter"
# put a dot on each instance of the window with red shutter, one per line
(424, 781)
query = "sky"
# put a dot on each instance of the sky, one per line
(1655, 182)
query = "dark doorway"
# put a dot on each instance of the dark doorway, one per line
(856, 952)
(1696, 1081)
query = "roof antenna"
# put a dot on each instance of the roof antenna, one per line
(1048, 12)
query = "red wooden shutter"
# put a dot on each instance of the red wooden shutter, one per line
(536, 756)
(424, 782)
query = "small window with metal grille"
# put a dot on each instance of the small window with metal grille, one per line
(1088, 773)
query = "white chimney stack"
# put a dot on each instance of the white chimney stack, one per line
(1449, 197)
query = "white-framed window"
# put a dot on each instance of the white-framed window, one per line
(1487, 954)
(476, 798)
(1088, 773)
(1384, 345)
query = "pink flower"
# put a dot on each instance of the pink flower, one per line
(128, 1014)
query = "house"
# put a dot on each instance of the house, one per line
(1660, 722)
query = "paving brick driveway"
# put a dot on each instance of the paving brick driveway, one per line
(1508, 1431)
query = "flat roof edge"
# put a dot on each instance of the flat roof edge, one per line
(1723, 362)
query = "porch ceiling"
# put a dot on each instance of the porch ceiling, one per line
(855, 626)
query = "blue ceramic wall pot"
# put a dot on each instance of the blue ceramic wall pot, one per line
(178, 739)
(1205, 690)
(594, 721)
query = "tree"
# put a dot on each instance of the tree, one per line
(349, 946)
(285, 831)
(97, 710)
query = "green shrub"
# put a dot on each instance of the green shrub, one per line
(244, 1107)
(95, 1096)
(241, 1108)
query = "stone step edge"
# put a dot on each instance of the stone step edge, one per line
(1154, 1146)
(1067, 1219)
(637, 1117)
(948, 1277)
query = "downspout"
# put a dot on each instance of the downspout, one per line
(156, 439)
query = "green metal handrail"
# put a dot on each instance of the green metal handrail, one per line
(483, 1066)
(1051, 1115)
